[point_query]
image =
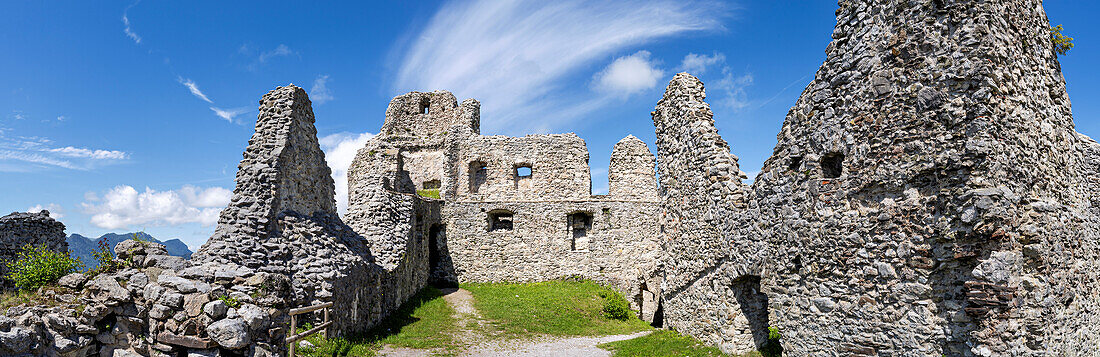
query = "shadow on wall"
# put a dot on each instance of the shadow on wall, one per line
(754, 306)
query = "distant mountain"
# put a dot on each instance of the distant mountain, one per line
(82, 246)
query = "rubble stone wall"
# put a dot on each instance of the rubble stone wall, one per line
(913, 204)
(619, 247)
(20, 229)
(558, 167)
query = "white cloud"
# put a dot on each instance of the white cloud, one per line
(320, 93)
(126, 23)
(61, 118)
(229, 114)
(55, 210)
(696, 64)
(123, 206)
(513, 56)
(340, 150)
(628, 75)
(194, 89)
(70, 151)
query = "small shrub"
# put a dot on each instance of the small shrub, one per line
(230, 301)
(1062, 44)
(615, 306)
(38, 266)
(106, 259)
(771, 347)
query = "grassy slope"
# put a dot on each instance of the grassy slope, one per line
(663, 343)
(558, 308)
(424, 322)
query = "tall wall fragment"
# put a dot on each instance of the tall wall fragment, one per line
(927, 196)
(631, 174)
(19, 229)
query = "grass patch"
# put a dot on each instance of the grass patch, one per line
(558, 308)
(423, 322)
(433, 193)
(664, 343)
(14, 298)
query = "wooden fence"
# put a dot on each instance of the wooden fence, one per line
(293, 337)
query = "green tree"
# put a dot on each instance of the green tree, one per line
(1062, 44)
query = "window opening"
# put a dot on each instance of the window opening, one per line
(479, 173)
(832, 165)
(579, 224)
(500, 221)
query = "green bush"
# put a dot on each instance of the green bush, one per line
(38, 266)
(771, 347)
(615, 306)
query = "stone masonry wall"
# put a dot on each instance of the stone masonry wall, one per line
(631, 173)
(558, 163)
(616, 243)
(927, 196)
(20, 229)
(619, 248)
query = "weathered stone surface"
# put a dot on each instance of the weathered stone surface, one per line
(920, 200)
(73, 281)
(229, 333)
(185, 341)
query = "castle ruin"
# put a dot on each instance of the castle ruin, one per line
(928, 195)
(509, 208)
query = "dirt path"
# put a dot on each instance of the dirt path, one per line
(466, 315)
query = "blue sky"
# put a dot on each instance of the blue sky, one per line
(123, 116)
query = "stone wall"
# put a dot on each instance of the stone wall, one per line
(631, 173)
(912, 204)
(618, 247)
(558, 166)
(425, 115)
(558, 228)
(20, 229)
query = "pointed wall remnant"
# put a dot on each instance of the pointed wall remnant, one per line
(927, 195)
(631, 174)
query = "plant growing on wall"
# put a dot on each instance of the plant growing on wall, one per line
(38, 266)
(1062, 44)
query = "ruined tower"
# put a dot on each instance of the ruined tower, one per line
(928, 195)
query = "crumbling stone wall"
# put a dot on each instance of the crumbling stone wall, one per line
(927, 196)
(558, 166)
(19, 229)
(425, 115)
(480, 175)
(631, 173)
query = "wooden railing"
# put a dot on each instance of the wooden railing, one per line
(294, 337)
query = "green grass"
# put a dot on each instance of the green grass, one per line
(424, 322)
(664, 343)
(557, 308)
(433, 193)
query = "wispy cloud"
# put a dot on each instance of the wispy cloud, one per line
(628, 75)
(229, 114)
(126, 24)
(280, 51)
(730, 89)
(194, 88)
(21, 154)
(70, 151)
(320, 93)
(697, 64)
(340, 150)
(514, 55)
(123, 206)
